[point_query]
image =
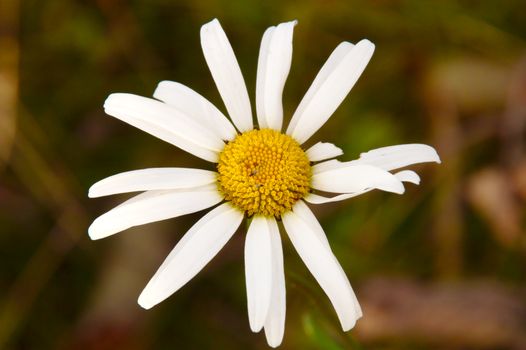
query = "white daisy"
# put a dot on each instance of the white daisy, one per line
(262, 174)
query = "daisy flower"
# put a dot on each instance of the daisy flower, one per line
(261, 174)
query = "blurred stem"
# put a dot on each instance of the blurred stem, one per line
(317, 334)
(297, 282)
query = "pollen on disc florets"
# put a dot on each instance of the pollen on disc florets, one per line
(263, 172)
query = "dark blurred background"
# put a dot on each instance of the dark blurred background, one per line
(441, 267)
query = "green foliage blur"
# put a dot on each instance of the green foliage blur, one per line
(441, 267)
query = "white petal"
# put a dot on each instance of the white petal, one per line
(322, 151)
(336, 56)
(154, 206)
(404, 176)
(258, 270)
(302, 210)
(275, 57)
(197, 247)
(226, 73)
(326, 166)
(166, 123)
(394, 157)
(334, 81)
(317, 199)
(349, 178)
(323, 265)
(408, 176)
(275, 322)
(167, 136)
(195, 106)
(152, 179)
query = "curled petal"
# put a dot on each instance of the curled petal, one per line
(348, 178)
(408, 176)
(404, 176)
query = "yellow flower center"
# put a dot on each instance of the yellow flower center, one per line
(263, 172)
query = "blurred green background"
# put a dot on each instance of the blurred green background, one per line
(441, 267)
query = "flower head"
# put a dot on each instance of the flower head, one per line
(262, 174)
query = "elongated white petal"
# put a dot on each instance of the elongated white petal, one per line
(326, 166)
(167, 136)
(302, 210)
(399, 156)
(153, 206)
(152, 179)
(334, 81)
(275, 57)
(404, 176)
(197, 247)
(275, 322)
(258, 270)
(195, 106)
(226, 73)
(334, 59)
(408, 176)
(323, 265)
(322, 151)
(355, 178)
(318, 199)
(166, 123)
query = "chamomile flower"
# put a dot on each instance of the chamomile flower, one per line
(262, 174)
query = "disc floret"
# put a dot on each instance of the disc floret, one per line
(263, 172)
